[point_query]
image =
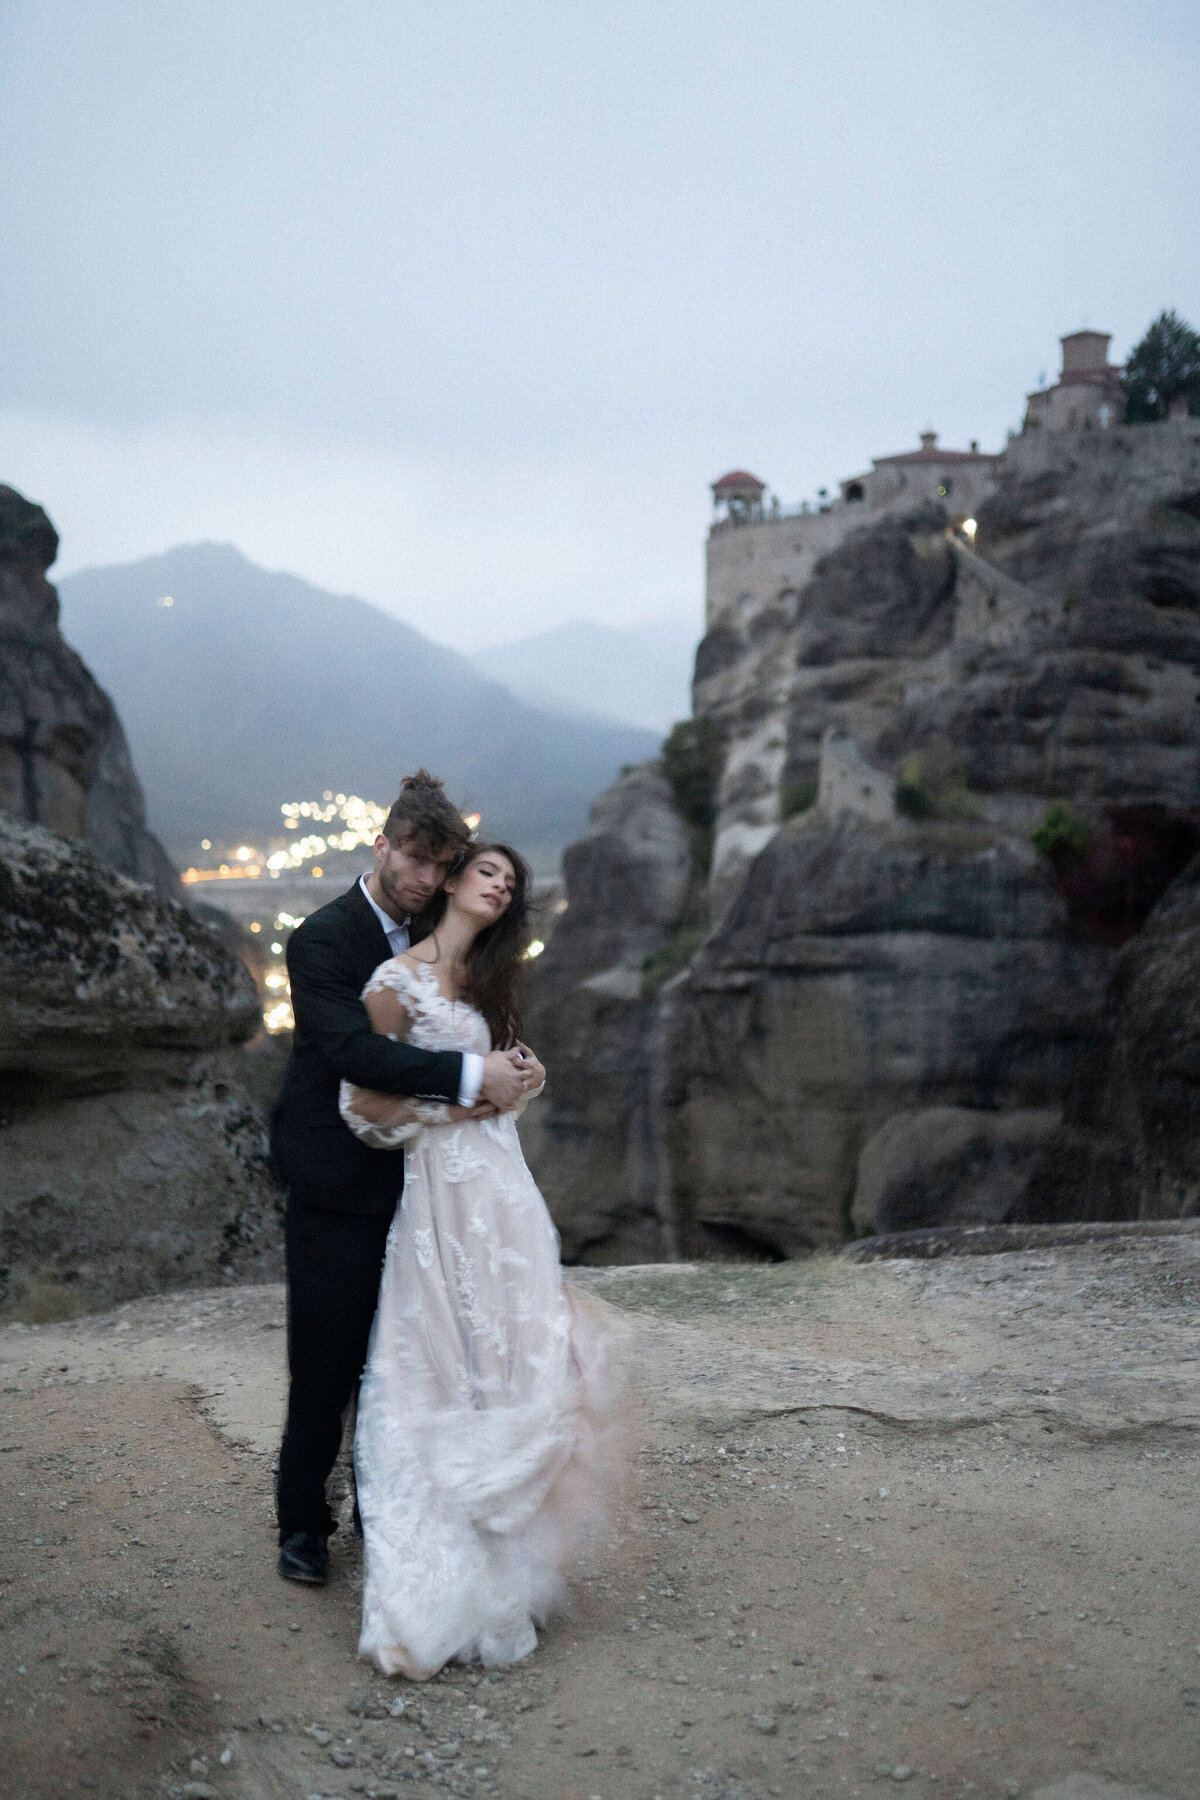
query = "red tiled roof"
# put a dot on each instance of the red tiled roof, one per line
(738, 478)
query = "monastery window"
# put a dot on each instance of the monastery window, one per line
(854, 490)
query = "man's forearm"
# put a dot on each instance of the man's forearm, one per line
(369, 1060)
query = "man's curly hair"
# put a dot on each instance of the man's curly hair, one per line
(422, 815)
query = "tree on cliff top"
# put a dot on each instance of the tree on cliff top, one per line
(1163, 366)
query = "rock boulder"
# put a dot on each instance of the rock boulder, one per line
(99, 978)
(132, 1159)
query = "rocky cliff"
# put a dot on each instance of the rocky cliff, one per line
(865, 980)
(132, 1158)
(1089, 693)
(1129, 1144)
(592, 1016)
(64, 761)
(954, 781)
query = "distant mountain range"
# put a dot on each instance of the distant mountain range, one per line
(241, 689)
(640, 677)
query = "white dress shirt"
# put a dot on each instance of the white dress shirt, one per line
(398, 941)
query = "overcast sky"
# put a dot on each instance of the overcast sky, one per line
(461, 307)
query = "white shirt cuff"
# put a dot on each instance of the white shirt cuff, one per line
(472, 1078)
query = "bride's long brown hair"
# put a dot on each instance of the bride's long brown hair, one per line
(495, 963)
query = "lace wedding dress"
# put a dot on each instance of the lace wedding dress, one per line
(479, 1444)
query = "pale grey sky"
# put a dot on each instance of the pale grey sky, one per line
(462, 307)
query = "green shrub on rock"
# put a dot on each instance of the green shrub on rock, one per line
(926, 790)
(1064, 836)
(692, 757)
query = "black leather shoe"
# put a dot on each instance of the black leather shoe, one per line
(303, 1556)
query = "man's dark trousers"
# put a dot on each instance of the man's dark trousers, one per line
(342, 1195)
(334, 1261)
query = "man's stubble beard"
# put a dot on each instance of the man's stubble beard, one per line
(405, 904)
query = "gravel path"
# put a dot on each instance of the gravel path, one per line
(900, 1526)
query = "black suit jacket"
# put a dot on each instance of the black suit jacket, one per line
(330, 959)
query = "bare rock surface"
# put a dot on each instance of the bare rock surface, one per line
(97, 972)
(133, 1159)
(589, 1142)
(919, 1524)
(64, 760)
(1092, 697)
(1129, 1146)
(896, 714)
(928, 1243)
(948, 1165)
(863, 974)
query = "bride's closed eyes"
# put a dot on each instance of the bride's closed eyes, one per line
(491, 878)
(489, 869)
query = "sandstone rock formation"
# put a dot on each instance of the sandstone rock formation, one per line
(1129, 1146)
(1090, 694)
(882, 1024)
(863, 977)
(64, 761)
(590, 1140)
(948, 1165)
(131, 1157)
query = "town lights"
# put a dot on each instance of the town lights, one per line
(363, 820)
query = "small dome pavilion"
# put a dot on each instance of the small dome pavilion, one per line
(738, 496)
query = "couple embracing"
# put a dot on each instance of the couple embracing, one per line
(481, 1379)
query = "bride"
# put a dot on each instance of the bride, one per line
(480, 1417)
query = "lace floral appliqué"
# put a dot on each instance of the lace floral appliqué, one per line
(479, 1434)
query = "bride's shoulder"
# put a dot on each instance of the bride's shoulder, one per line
(397, 973)
(404, 974)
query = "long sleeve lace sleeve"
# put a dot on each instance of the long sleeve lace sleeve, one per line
(404, 1122)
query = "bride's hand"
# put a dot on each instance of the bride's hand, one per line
(533, 1074)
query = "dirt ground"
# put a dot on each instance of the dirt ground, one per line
(920, 1527)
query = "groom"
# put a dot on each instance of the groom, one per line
(341, 1193)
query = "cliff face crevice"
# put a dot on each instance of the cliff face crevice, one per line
(897, 989)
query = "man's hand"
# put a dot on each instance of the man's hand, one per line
(503, 1081)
